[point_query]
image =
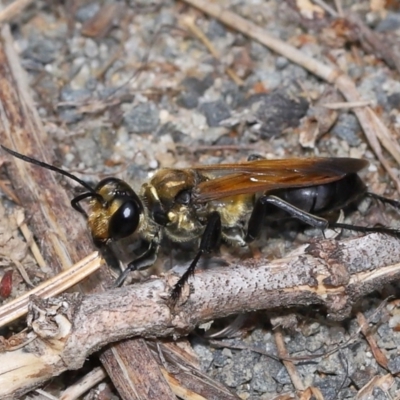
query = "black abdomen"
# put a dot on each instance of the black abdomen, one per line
(320, 199)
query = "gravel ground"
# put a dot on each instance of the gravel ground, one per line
(143, 92)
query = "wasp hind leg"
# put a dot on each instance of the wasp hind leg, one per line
(384, 200)
(257, 218)
(209, 242)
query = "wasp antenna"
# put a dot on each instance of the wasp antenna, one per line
(48, 166)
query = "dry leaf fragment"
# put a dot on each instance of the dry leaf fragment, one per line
(242, 62)
(309, 10)
(100, 24)
(6, 285)
(312, 393)
(319, 119)
(383, 382)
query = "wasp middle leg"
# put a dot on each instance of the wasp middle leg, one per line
(209, 241)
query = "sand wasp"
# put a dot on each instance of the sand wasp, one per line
(211, 204)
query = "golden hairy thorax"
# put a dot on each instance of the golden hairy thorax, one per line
(169, 193)
(165, 195)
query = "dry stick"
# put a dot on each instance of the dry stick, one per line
(366, 116)
(45, 395)
(13, 9)
(189, 22)
(326, 7)
(52, 287)
(181, 369)
(375, 44)
(179, 390)
(61, 230)
(79, 388)
(339, 7)
(26, 233)
(344, 105)
(379, 355)
(290, 367)
(68, 329)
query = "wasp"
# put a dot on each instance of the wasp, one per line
(227, 203)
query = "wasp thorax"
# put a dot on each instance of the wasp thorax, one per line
(115, 213)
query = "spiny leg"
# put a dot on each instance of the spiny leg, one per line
(209, 241)
(364, 229)
(257, 218)
(385, 200)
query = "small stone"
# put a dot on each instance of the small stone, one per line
(239, 370)
(221, 359)
(81, 77)
(329, 385)
(88, 150)
(271, 80)
(87, 11)
(361, 377)
(215, 112)
(394, 364)
(329, 365)
(387, 336)
(275, 112)
(347, 129)
(283, 377)
(379, 394)
(71, 96)
(41, 50)
(394, 100)
(394, 321)
(188, 100)
(206, 356)
(390, 23)
(91, 49)
(91, 84)
(311, 329)
(232, 94)
(281, 62)
(143, 118)
(215, 30)
(262, 381)
(69, 115)
(294, 73)
(193, 89)
(165, 18)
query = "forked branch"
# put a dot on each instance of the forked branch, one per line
(67, 329)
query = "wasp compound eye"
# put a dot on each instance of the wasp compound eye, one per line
(125, 220)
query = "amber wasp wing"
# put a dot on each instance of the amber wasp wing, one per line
(264, 175)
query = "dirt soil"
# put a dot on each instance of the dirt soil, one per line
(126, 88)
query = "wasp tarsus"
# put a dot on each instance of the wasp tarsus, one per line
(231, 203)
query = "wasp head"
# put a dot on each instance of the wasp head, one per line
(115, 211)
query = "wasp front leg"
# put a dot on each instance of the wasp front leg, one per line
(145, 260)
(210, 240)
